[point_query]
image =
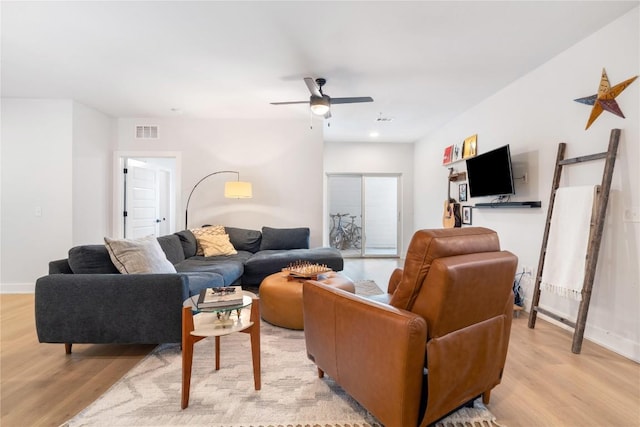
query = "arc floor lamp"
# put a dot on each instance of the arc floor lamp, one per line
(232, 190)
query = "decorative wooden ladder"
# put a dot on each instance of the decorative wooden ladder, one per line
(595, 237)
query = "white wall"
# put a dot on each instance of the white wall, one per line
(55, 185)
(533, 115)
(37, 184)
(281, 158)
(92, 168)
(367, 157)
(57, 156)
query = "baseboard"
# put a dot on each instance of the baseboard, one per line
(621, 345)
(17, 288)
(604, 338)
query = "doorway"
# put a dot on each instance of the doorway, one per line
(364, 215)
(146, 184)
(146, 194)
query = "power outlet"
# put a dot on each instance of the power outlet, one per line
(526, 270)
(632, 214)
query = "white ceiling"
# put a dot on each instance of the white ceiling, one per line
(423, 62)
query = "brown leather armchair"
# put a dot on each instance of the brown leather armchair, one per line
(437, 340)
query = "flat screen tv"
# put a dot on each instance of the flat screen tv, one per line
(490, 174)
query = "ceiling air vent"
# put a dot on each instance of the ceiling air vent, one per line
(147, 132)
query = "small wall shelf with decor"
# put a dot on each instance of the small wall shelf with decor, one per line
(460, 151)
(529, 204)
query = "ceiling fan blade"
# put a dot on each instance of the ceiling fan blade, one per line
(351, 100)
(289, 102)
(313, 87)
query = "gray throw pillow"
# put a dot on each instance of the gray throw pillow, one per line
(172, 248)
(138, 256)
(91, 259)
(243, 239)
(188, 242)
(284, 238)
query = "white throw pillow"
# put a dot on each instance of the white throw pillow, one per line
(217, 244)
(137, 256)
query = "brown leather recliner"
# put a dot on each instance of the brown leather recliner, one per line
(437, 340)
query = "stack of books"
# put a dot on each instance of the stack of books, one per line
(220, 297)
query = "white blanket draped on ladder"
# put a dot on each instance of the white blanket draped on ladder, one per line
(564, 261)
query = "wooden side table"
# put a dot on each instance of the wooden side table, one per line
(200, 324)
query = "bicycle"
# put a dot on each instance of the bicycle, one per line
(354, 233)
(337, 233)
(343, 236)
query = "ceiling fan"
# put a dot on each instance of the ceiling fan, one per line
(319, 102)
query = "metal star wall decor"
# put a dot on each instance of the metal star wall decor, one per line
(605, 99)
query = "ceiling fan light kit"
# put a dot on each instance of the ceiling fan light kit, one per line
(320, 103)
(319, 106)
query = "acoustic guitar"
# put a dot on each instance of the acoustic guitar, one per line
(451, 216)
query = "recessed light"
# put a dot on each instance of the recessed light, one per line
(374, 134)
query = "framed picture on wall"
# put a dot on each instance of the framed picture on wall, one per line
(456, 154)
(466, 215)
(446, 157)
(470, 146)
(462, 192)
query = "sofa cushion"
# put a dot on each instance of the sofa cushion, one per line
(243, 239)
(230, 267)
(91, 259)
(268, 262)
(172, 248)
(61, 266)
(210, 230)
(188, 242)
(202, 280)
(214, 245)
(284, 238)
(138, 256)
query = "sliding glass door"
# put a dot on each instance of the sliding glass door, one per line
(364, 216)
(382, 215)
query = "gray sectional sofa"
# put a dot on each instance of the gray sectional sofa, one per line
(85, 299)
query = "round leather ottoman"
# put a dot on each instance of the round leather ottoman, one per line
(281, 298)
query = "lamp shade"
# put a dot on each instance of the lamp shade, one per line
(238, 190)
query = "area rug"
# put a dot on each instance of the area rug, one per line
(292, 395)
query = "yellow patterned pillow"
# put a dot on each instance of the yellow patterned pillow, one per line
(217, 244)
(212, 230)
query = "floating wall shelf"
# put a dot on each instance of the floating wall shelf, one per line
(530, 204)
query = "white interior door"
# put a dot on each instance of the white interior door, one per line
(168, 166)
(142, 201)
(164, 202)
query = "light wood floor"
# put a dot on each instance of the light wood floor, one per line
(544, 383)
